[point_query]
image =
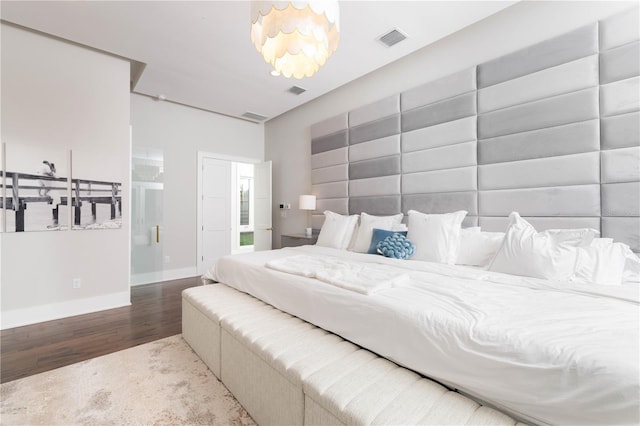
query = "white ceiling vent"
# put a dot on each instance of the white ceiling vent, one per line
(392, 37)
(296, 90)
(254, 116)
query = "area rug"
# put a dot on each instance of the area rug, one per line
(158, 383)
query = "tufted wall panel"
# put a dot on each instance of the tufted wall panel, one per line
(374, 157)
(551, 131)
(330, 166)
(620, 147)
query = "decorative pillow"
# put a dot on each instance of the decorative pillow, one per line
(436, 236)
(367, 223)
(528, 253)
(336, 230)
(477, 247)
(396, 246)
(379, 235)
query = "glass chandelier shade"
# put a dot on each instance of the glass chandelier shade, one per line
(297, 37)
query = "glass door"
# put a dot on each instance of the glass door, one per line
(147, 205)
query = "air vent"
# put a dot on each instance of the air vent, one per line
(254, 116)
(296, 90)
(391, 38)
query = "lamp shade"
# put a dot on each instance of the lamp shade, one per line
(296, 37)
(307, 202)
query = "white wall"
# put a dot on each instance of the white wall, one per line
(287, 137)
(57, 96)
(180, 132)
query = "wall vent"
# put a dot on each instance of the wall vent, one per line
(391, 38)
(296, 90)
(254, 116)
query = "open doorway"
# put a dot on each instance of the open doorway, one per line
(243, 220)
(234, 207)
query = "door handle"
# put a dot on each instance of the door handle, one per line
(269, 229)
(157, 233)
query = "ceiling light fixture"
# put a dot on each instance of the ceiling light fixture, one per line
(298, 37)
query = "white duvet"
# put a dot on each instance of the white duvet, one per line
(547, 352)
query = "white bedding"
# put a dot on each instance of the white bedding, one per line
(548, 352)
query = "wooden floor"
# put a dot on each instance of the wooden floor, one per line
(155, 313)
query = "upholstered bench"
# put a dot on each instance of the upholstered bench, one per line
(285, 371)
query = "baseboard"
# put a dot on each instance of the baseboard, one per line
(19, 317)
(166, 275)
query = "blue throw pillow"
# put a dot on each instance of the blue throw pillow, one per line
(379, 235)
(396, 246)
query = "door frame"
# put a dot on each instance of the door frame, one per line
(215, 156)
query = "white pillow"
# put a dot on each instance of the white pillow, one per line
(477, 247)
(631, 271)
(365, 230)
(436, 236)
(580, 237)
(528, 253)
(603, 264)
(336, 230)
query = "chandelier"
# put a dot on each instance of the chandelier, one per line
(296, 37)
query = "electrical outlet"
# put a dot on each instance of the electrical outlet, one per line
(167, 259)
(77, 283)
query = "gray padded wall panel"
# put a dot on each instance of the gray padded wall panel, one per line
(450, 180)
(441, 202)
(449, 133)
(446, 157)
(620, 97)
(383, 166)
(330, 174)
(375, 130)
(620, 63)
(375, 148)
(329, 142)
(440, 112)
(386, 185)
(581, 200)
(385, 205)
(575, 169)
(621, 131)
(621, 199)
(330, 158)
(571, 138)
(619, 106)
(621, 165)
(559, 50)
(555, 111)
(329, 164)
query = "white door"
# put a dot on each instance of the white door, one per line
(262, 206)
(216, 211)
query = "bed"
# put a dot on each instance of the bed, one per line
(546, 352)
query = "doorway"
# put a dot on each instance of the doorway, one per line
(234, 207)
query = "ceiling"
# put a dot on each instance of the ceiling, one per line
(199, 53)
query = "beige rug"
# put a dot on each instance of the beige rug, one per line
(159, 383)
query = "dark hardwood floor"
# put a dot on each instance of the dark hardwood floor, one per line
(155, 313)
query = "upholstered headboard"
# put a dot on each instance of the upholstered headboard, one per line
(551, 131)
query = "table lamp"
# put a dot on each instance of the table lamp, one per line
(307, 202)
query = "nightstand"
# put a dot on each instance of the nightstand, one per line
(294, 240)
